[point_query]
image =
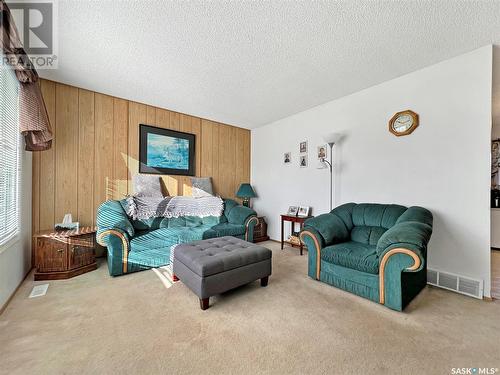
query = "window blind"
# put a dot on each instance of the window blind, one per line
(9, 154)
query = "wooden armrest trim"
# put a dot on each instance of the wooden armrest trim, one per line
(253, 218)
(124, 245)
(385, 258)
(318, 249)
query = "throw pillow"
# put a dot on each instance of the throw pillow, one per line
(147, 185)
(201, 187)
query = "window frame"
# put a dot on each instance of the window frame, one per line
(8, 239)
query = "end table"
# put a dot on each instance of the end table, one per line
(64, 254)
(260, 230)
(292, 220)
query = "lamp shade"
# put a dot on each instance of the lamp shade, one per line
(245, 191)
(332, 137)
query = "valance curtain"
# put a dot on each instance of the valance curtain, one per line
(33, 118)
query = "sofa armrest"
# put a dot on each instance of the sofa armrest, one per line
(410, 235)
(240, 215)
(314, 242)
(403, 248)
(111, 215)
(118, 246)
(330, 227)
(250, 224)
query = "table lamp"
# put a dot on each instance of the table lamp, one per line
(246, 192)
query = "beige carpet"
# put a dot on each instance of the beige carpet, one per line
(134, 324)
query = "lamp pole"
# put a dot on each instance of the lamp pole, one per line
(330, 167)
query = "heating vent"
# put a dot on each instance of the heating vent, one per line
(456, 283)
(432, 277)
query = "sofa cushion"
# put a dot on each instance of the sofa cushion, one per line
(367, 235)
(155, 239)
(354, 255)
(150, 224)
(227, 229)
(147, 185)
(376, 215)
(149, 249)
(166, 237)
(201, 187)
(189, 234)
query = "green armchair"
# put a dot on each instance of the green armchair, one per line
(376, 251)
(136, 245)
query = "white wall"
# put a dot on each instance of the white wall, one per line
(15, 257)
(443, 166)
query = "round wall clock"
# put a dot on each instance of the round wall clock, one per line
(403, 123)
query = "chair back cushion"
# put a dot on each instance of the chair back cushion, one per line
(371, 220)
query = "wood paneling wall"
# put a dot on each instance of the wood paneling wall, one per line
(96, 147)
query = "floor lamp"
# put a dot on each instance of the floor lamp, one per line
(331, 139)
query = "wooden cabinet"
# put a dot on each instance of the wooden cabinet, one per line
(50, 255)
(260, 230)
(61, 255)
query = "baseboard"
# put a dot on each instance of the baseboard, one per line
(4, 306)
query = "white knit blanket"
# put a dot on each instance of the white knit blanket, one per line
(150, 207)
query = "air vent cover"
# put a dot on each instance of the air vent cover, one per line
(460, 284)
(432, 277)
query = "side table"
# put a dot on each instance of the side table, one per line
(260, 230)
(292, 220)
(64, 254)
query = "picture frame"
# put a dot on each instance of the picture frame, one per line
(303, 147)
(292, 211)
(303, 211)
(322, 152)
(303, 161)
(165, 151)
(287, 158)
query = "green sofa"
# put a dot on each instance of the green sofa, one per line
(376, 251)
(136, 245)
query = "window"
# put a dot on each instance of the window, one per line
(9, 154)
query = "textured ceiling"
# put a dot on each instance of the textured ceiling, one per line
(250, 63)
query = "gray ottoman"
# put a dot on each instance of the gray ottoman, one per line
(214, 266)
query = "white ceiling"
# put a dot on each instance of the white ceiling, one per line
(250, 63)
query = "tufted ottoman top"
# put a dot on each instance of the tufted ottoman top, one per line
(216, 255)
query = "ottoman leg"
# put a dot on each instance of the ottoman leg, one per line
(204, 303)
(264, 281)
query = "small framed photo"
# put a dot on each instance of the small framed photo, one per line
(287, 158)
(322, 152)
(303, 161)
(303, 147)
(292, 210)
(303, 211)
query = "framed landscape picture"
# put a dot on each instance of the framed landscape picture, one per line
(164, 151)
